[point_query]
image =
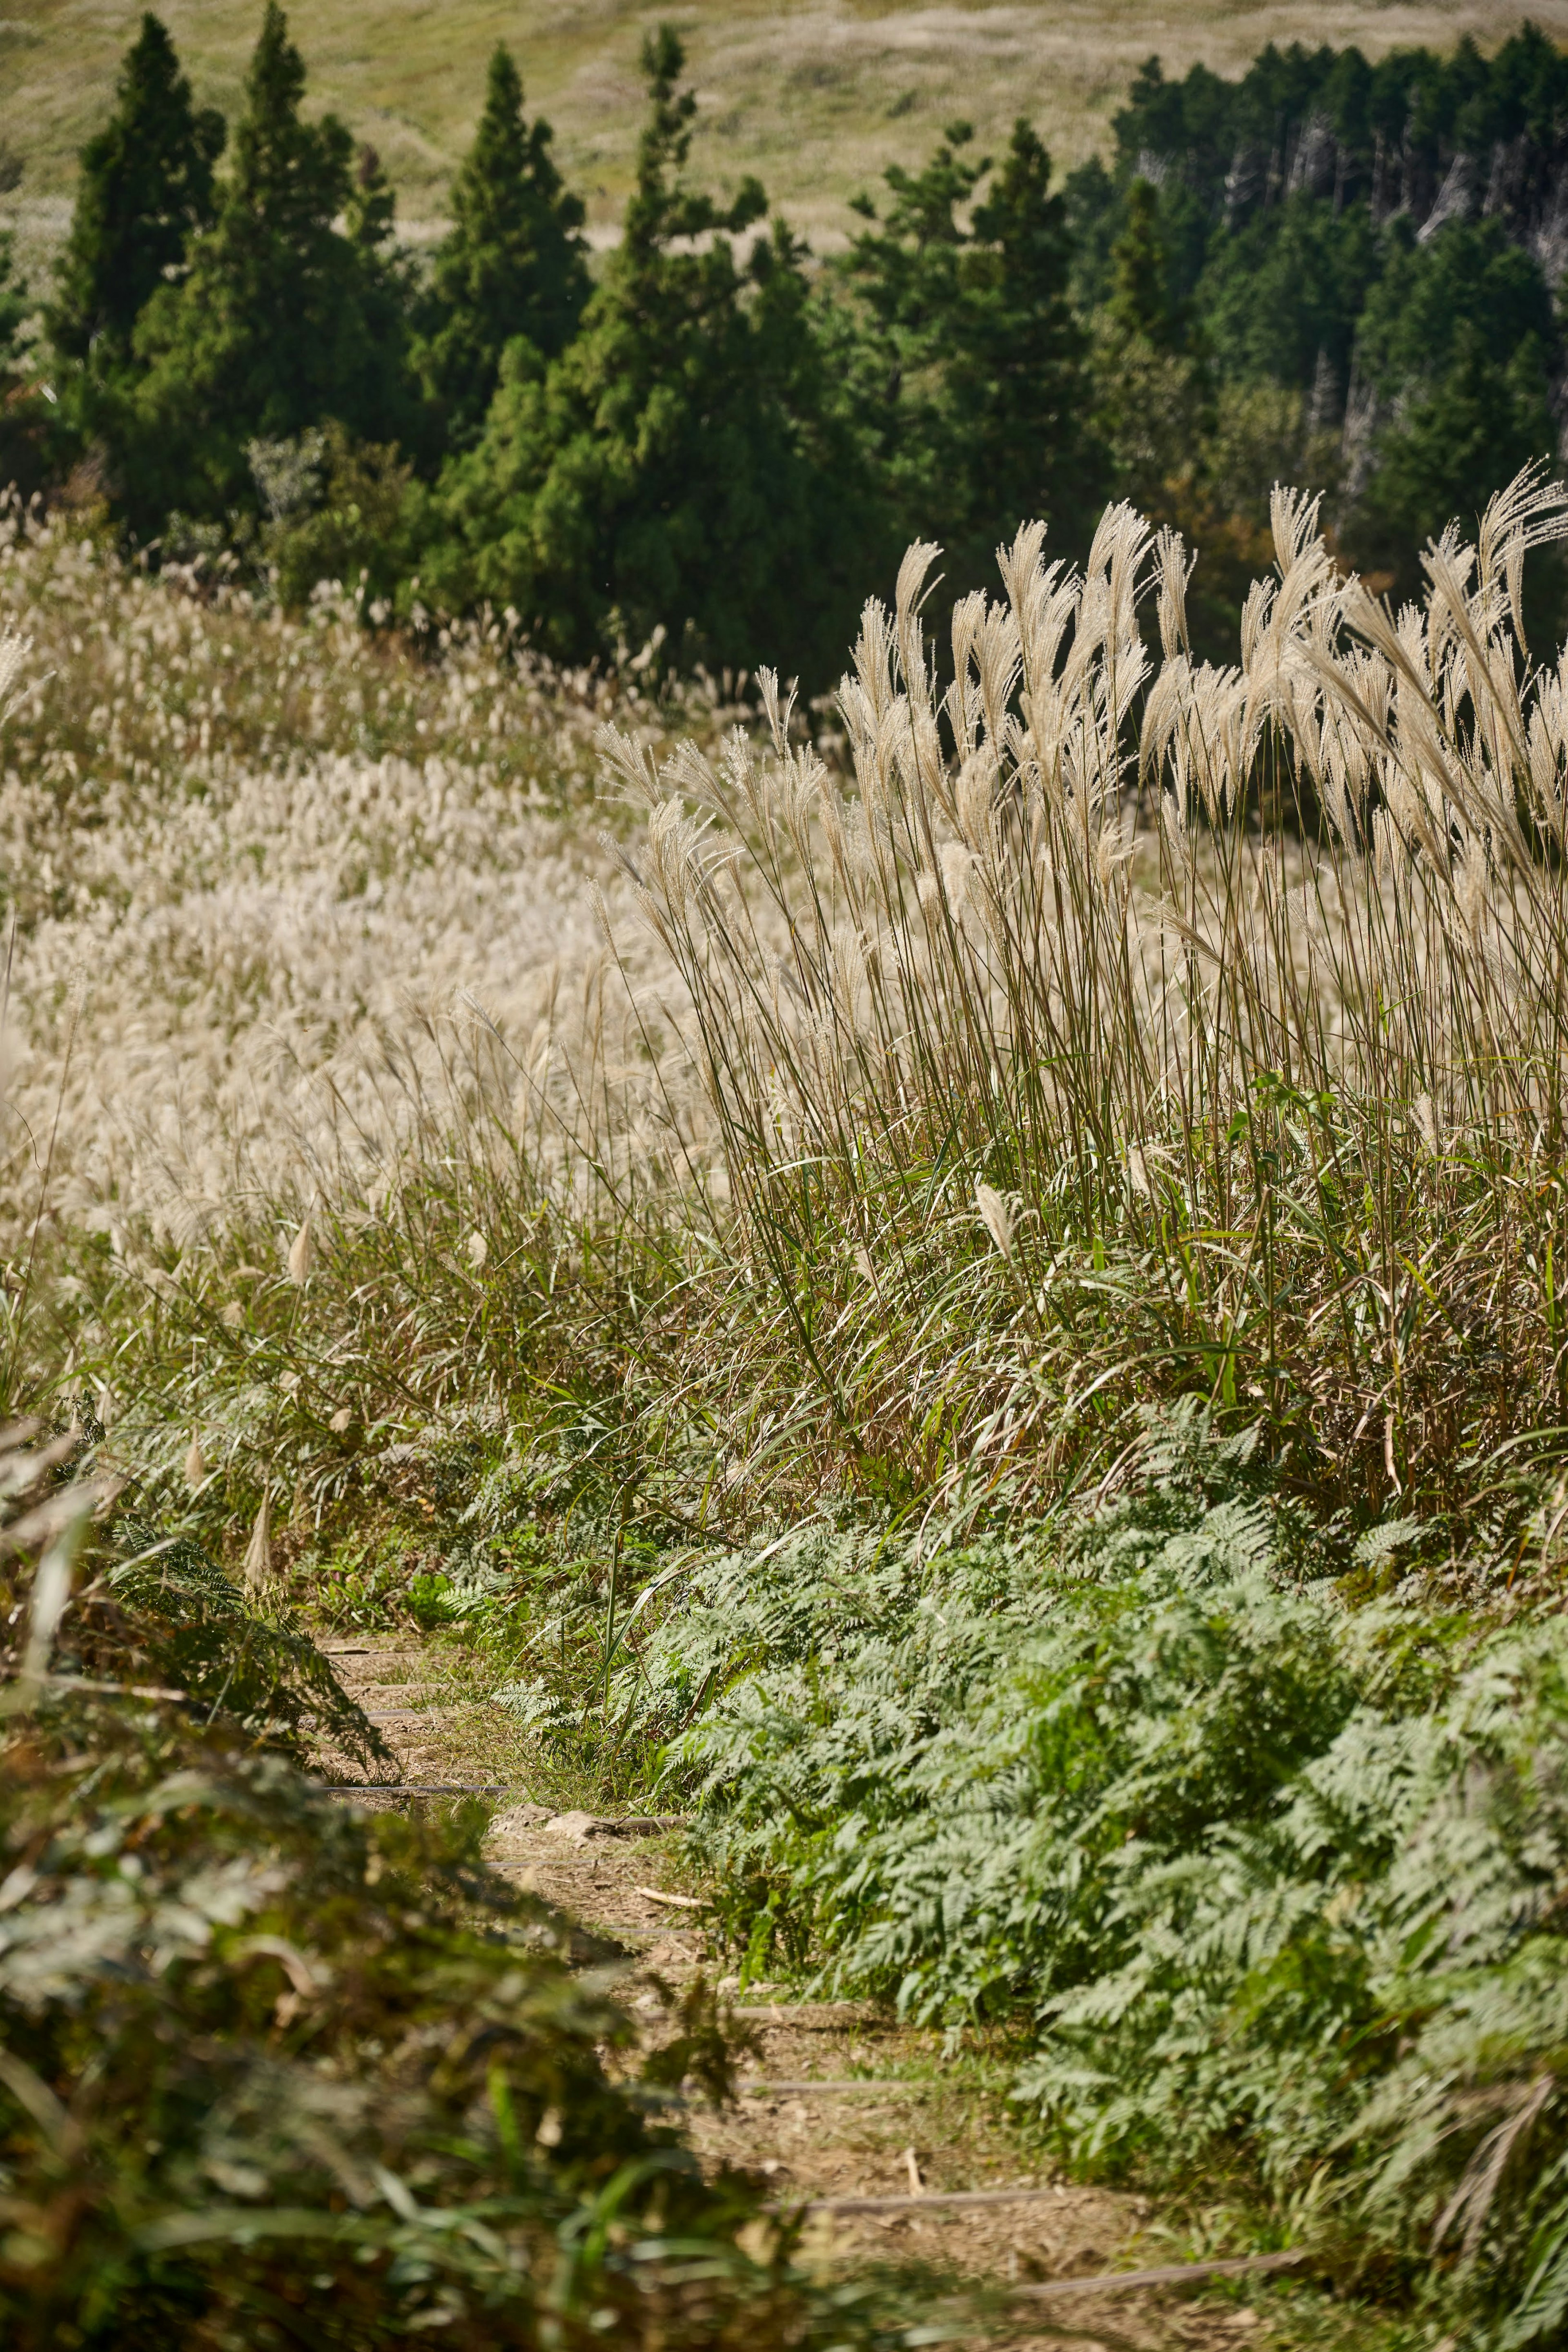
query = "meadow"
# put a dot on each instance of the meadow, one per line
(817, 99)
(952, 1292)
(974, 1294)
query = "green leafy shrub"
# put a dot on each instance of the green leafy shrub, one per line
(259, 2053)
(344, 523)
(429, 1600)
(172, 1616)
(1264, 1878)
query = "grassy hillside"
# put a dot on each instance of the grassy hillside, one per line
(817, 96)
(998, 1341)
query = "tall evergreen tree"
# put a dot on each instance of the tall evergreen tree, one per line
(1459, 346)
(1280, 297)
(682, 463)
(1140, 300)
(1154, 397)
(281, 322)
(144, 190)
(967, 357)
(514, 263)
(1017, 381)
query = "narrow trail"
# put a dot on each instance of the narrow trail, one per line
(906, 2128)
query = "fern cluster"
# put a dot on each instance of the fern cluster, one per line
(1261, 1876)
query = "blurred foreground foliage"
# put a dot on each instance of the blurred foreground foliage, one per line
(273, 2072)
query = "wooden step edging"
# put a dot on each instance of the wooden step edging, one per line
(765, 2090)
(927, 2202)
(1100, 2283)
(1172, 2274)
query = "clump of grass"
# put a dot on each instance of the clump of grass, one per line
(1130, 1032)
(143, 681)
(299, 932)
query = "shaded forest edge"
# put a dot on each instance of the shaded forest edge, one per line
(1327, 272)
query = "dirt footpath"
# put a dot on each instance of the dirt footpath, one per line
(840, 2100)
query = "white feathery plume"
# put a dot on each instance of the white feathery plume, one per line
(301, 1253)
(996, 1217)
(258, 1551)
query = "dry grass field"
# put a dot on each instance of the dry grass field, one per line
(816, 96)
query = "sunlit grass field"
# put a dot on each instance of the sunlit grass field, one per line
(816, 97)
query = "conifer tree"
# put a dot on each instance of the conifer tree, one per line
(145, 190)
(1460, 345)
(514, 263)
(680, 464)
(279, 323)
(1141, 301)
(1018, 386)
(967, 359)
(1154, 397)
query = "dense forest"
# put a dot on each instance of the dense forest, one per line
(1328, 272)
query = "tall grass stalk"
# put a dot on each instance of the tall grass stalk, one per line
(1132, 1029)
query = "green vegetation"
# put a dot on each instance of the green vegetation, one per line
(1325, 271)
(279, 320)
(975, 1299)
(1369, 240)
(964, 357)
(681, 460)
(1253, 1868)
(512, 266)
(264, 2063)
(146, 190)
(819, 104)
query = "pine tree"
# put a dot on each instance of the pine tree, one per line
(145, 190)
(282, 319)
(967, 359)
(680, 464)
(1141, 301)
(1017, 384)
(1460, 344)
(1454, 443)
(1154, 400)
(514, 263)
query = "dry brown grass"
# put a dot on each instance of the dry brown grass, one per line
(1228, 1111)
(276, 882)
(816, 97)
